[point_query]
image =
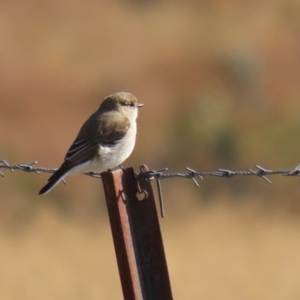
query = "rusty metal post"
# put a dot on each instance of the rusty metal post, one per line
(137, 236)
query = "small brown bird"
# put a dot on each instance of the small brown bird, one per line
(104, 141)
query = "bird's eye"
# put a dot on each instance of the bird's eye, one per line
(131, 104)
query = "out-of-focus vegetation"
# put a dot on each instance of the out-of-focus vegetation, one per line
(220, 84)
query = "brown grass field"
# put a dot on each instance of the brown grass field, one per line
(219, 252)
(220, 84)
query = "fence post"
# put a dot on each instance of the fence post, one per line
(137, 236)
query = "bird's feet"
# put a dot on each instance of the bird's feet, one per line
(120, 167)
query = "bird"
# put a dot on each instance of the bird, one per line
(104, 141)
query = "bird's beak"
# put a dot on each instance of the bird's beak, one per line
(140, 105)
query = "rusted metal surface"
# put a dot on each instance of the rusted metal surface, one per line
(137, 236)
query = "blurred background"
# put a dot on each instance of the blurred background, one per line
(220, 84)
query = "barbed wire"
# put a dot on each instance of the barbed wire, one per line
(161, 174)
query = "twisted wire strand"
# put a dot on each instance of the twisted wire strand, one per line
(161, 174)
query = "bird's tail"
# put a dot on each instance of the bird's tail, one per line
(53, 181)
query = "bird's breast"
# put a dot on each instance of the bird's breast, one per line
(113, 156)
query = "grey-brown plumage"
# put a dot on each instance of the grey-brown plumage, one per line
(104, 141)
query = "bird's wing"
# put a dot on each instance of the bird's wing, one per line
(96, 131)
(112, 129)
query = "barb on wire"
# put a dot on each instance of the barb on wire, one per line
(261, 173)
(25, 167)
(193, 174)
(294, 172)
